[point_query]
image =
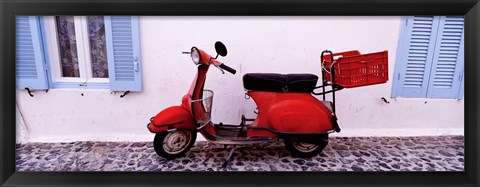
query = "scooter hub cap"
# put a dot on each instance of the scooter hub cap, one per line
(175, 142)
(305, 147)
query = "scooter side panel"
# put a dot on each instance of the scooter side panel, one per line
(298, 116)
(305, 102)
(172, 117)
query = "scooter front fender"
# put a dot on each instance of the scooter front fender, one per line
(175, 117)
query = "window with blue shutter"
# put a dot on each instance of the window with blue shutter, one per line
(29, 60)
(429, 60)
(124, 52)
(78, 52)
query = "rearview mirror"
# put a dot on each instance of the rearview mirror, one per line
(220, 48)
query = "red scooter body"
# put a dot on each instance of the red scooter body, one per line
(286, 110)
(277, 112)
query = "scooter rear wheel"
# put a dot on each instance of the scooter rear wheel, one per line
(174, 144)
(301, 148)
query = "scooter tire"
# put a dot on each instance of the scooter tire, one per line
(160, 147)
(302, 149)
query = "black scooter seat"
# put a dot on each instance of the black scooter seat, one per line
(275, 82)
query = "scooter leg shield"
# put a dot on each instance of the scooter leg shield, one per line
(175, 117)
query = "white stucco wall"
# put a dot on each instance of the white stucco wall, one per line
(255, 44)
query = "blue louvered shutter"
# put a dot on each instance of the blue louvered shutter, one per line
(447, 67)
(123, 46)
(415, 56)
(461, 92)
(29, 60)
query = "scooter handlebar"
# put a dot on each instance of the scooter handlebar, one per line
(229, 69)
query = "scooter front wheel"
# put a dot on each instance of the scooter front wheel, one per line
(174, 144)
(298, 147)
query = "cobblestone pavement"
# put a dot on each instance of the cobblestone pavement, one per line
(436, 153)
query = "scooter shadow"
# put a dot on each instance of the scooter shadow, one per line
(205, 156)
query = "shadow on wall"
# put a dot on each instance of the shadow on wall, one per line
(22, 133)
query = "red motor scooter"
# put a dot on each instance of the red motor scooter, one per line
(286, 110)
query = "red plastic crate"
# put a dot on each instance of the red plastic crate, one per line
(353, 69)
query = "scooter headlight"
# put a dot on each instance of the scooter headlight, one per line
(196, 58)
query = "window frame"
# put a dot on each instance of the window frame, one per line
(83, 54)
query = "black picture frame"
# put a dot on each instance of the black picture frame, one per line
(10, 8)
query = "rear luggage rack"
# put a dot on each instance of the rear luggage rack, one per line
(353, 69)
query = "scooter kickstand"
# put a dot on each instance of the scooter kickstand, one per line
(229, 157)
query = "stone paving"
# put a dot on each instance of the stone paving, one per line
(435, 153)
